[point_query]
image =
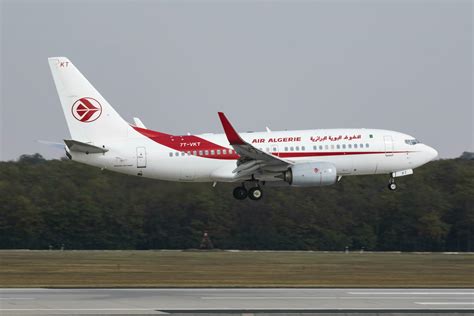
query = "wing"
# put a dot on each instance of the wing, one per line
(251, 159)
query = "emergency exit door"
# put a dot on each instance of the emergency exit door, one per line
(141, 157)
(388, 140)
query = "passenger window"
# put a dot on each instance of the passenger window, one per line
(327, 147)
(286, 148)
(338, 146)
(355, 145)
(349, 146)
(367, 145)
(206, 152)
(230, 151)
(297, 148)
(171, 154)
(200, 153)
(320, 147)
(302, 148)
(343, 146)
(315, 147)
(332, 146)
(218, 151)
(213, 152)
(183, 153)
(292, 148)
(224, 152)
(194, 153)
(361, 145)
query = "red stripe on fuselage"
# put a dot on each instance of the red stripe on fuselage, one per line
(333, 153)
(190, 143)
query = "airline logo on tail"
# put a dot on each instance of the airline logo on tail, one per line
(86, 110)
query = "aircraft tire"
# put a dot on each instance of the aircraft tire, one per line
(255, 193)
(240, 193)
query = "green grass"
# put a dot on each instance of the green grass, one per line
(232, 269)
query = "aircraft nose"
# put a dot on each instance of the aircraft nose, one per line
(432, 153)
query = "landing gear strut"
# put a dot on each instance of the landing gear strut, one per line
(255, 193)
(392, 186)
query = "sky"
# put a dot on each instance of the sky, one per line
(399, 65)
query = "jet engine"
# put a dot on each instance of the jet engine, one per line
(311, 174)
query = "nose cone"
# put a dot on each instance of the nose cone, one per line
(432, 153)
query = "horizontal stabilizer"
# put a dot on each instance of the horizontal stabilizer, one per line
(52, 144)
(78, 146)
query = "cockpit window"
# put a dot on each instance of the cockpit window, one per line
(412, 141)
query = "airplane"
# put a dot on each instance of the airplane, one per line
(300, 158)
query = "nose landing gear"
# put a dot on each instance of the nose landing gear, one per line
(392, 186)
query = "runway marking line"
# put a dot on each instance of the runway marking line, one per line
(445, 303)
(79, 309)
(301, 298)
(411, 293)
(167, 310)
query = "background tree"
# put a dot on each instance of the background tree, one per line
(56, 202)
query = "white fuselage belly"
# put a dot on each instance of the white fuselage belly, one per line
(352, 151)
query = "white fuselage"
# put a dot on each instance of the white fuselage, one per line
(210, 158)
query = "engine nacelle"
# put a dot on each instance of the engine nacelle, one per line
(311, 174)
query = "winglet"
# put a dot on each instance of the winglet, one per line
(232, 135)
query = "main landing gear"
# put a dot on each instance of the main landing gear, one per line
(392, 186)
(255, 193)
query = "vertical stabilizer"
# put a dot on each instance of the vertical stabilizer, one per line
(90, 118)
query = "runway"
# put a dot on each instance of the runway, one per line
(159, 301)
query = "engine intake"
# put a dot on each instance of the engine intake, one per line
(311, 174)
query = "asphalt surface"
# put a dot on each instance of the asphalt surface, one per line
(157, 301)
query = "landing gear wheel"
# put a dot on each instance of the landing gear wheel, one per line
(240, 193)
(392, 186)
(255, 193)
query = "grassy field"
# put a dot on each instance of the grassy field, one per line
(232, 269)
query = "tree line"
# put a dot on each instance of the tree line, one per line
(47, 203)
